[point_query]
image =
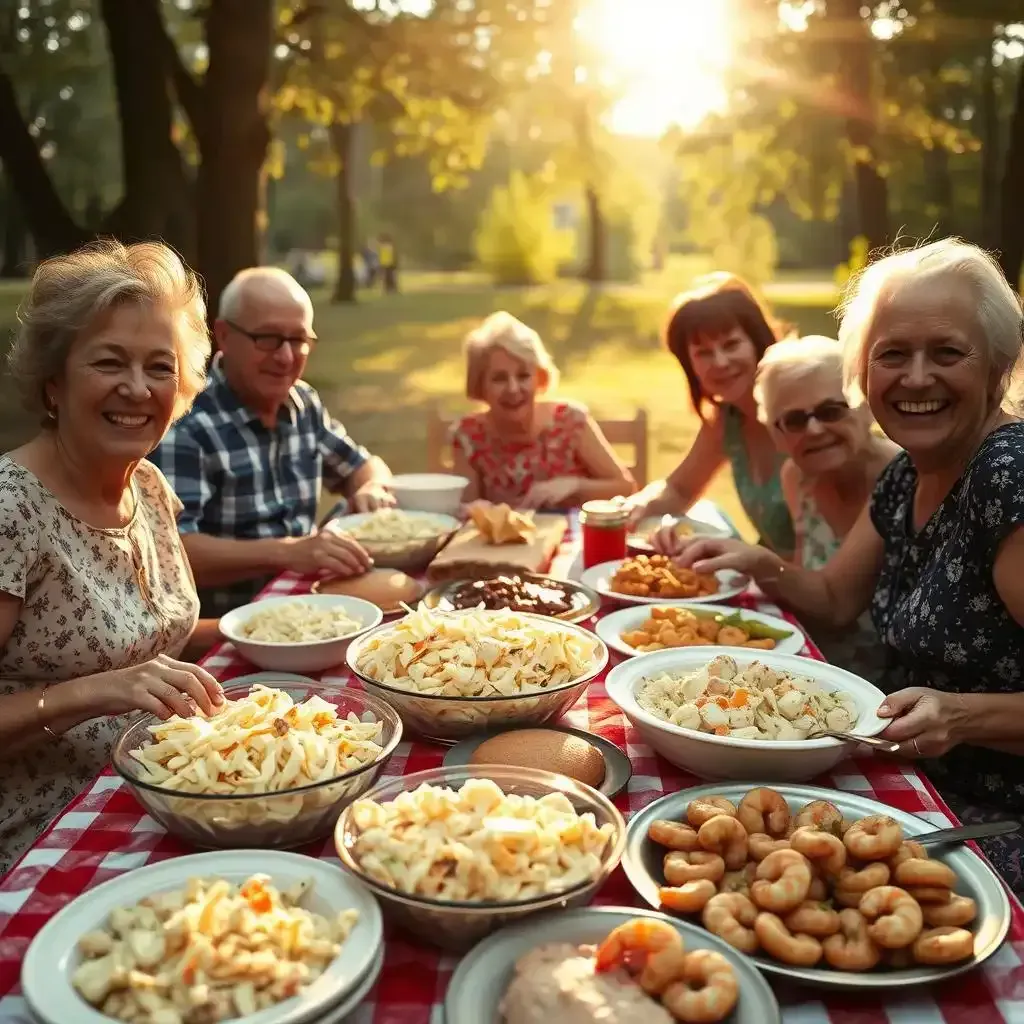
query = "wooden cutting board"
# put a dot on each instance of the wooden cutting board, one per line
(468, 554)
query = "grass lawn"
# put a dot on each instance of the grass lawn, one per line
(382, 363)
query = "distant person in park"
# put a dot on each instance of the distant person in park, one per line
(387, 257)
(370, 265)
(248, 462)
(526, 449)
(718, 331)
(98, 608)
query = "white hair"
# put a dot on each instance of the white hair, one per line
(502, 330)
(232, 299)
(795, 357)
(998, 307)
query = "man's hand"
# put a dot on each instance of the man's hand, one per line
(371, 496)
(329, 552)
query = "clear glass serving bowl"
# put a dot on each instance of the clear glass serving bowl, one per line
(446, 720)
(458, 925)
(281, 820)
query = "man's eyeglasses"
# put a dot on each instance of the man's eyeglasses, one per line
(796, 420)
(271, 341)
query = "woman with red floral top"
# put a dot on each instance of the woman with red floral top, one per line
(527, 450)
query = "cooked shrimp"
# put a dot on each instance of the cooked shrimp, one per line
(932, 874)
(725, 836)
(683, 867)
(846, 898)
(943, 946)
(777, 941)
(908, 849)
(852, 949)
(706, 992)
(731, 916)
(810, 918)
(739, 881)
(877, 837)
(959, 911)
(822, 849)
(856, 880)
(818, 890)
(698, 811)
(821, 814)
(732, 636)
(782, 882)
(687, 898)
(929, 894)
(673, 834)
(652, 948)
(760, 844)
(898, 959)
(764, 810)
(894, 916)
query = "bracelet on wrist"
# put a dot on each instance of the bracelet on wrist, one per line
(41, 707)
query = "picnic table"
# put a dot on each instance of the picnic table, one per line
(105, 832)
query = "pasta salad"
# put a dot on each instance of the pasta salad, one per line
(299, 622)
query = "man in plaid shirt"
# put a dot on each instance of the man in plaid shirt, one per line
(249, 459)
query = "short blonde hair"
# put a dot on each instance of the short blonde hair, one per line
(795, 357)
(68, 293)
(502, 330)
(999, 312)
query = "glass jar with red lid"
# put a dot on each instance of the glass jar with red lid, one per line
(603, 525)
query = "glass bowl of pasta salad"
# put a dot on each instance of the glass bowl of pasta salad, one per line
(454, 853)
(302, 633)
(272, 768)
(399, 539)
(736, 713)
(452, 674)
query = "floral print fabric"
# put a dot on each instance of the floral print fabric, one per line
(937, 609)
(508, 469)
(94, 600)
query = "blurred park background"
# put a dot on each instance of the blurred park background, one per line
(576, 162)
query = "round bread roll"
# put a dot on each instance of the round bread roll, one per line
(548, 749)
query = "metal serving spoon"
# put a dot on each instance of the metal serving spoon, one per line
(962, 833)
(886, 746)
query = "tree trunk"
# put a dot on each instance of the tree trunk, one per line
(940, 189)
(1011, 219)
(52, 227)
(597, 247)
(343, 137)
(233, 139)
(856, 78)
(988, 117)
(156, 190)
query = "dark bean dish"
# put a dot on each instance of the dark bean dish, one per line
(513, 592)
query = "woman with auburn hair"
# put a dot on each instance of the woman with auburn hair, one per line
(97, 600)
(527, 449)
(718, 332)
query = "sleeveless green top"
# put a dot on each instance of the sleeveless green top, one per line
(763, 502)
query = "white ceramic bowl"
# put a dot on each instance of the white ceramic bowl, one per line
(53, 956)
(726, 757)
(429, 492)
(314, 656)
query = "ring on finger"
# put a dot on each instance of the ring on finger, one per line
(917, 747)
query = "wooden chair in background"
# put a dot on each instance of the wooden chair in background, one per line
(630, 434)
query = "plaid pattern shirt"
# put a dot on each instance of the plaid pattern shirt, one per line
(238, 478)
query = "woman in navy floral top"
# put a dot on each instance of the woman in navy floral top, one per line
(932, 337)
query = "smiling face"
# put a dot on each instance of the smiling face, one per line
(120, 383)
(830, 439)
(928, 383)
(510, 387)
(725, 365)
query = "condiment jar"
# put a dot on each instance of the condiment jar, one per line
(603, 524)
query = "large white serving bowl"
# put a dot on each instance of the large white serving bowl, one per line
(726, 757)
(312, 656)
(429, 492)
(53, 956)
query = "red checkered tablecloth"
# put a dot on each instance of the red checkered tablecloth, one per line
(105, 832)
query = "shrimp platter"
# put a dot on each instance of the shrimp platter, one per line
(805, 886)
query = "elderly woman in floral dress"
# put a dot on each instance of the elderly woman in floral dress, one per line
(97, 600)
(933, 337)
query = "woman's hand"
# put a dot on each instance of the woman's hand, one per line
(556, 493)
(925, 722)
(666, 541)
(163, 687)
(709, 554)
(372, 496)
